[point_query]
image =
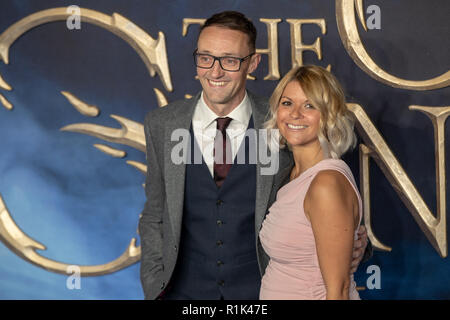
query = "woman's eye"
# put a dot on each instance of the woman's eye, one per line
(309, 106)
(286, 103)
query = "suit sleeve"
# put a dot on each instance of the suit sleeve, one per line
(368, 253)
(150, 222)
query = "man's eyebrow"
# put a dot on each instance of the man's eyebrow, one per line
(226, 54)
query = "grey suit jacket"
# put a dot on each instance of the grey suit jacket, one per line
(161, 220)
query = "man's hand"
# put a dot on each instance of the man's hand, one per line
(359, 246)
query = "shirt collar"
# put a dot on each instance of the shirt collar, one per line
(204, 116)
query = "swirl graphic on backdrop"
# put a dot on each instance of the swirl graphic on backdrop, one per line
(153, 53)
(348, 31)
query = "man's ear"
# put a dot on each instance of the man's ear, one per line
(254, 62)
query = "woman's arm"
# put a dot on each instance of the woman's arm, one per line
(332, 208)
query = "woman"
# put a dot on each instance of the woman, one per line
(310, 228)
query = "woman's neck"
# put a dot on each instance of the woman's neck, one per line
(305, 157)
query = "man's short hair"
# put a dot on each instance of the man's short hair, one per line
(235, 21)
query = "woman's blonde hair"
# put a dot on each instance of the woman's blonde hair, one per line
(336, 133)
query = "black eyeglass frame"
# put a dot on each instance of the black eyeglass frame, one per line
(195, 53)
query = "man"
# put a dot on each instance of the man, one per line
(199, 228)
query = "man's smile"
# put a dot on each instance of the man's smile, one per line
(216, 83)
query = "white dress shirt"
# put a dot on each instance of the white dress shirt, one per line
(204, 125)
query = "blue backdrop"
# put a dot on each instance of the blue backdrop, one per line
(84, 205)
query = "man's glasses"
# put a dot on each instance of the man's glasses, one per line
(206, 61)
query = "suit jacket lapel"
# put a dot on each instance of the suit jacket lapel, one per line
(263, 182)
(175, 173)
(283, 175)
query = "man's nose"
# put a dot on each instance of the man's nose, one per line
(216, 69)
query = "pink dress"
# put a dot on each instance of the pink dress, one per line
(286, 235)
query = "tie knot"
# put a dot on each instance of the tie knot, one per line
(222, 123)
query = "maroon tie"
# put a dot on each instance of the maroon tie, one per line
(222, 148)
